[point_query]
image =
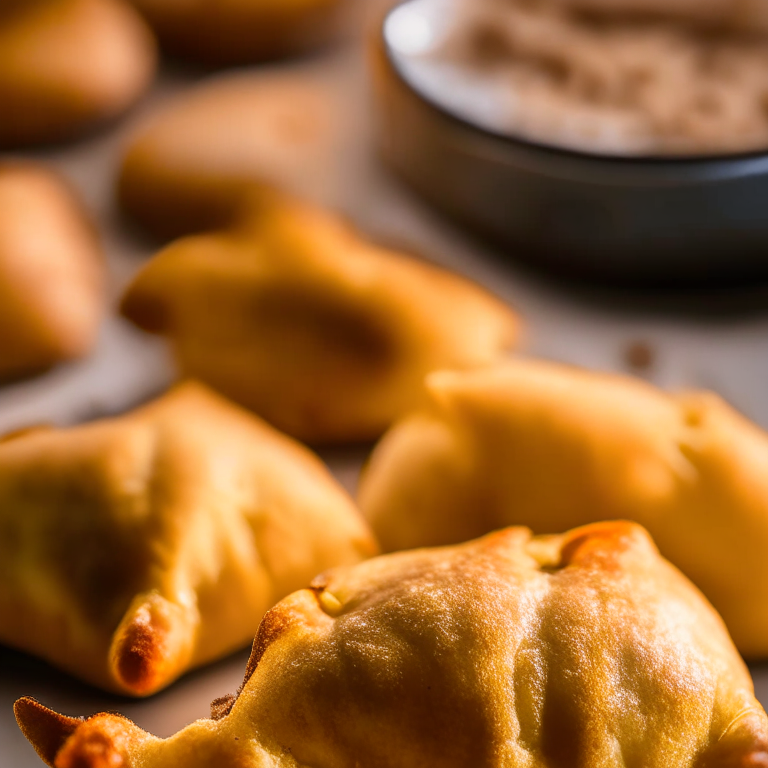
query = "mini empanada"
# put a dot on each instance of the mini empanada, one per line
(325, 335)
(190, 166)
(51, 271)
(67, 65)
(227, 32)
(135, 548)
(552, 447)
(572, 651)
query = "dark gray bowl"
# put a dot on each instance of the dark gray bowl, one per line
(681, 221)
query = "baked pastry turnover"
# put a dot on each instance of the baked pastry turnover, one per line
(51, 271)
(188, 168)
(135, 548)
(227, 32)
(67, 65)
(579, 650)
(295, 316)
(552, 447)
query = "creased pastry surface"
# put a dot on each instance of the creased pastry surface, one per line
(295, 315)
(570, 651)
(133, 549)
(551, 447)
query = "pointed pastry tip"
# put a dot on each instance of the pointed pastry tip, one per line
(67, 742)
(152, 645)
(46, 730)
(743, 745)
(604, 542)
(143, 307)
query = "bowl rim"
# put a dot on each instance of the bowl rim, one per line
(519, 142)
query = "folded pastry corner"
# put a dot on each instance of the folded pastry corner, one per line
(552, 447)
(295, 316)
(138, 547)
(579, 649)
(154, 643)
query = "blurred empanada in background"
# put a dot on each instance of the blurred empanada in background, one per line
(68, 65)
(586, 649)
(551, 447)
(189, 167)
(133, 549)
(51, 271)
(227, 32)
(294, 315)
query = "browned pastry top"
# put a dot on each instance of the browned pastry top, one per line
(297, 316)
(570, 651)
(535, 443)
(135, 548)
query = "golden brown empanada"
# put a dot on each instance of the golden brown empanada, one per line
(135, 548)
(552, 447)
(571, 651)
(190, 166)
(226, 32)
(51, 271)
(66, 65)
(325, 335)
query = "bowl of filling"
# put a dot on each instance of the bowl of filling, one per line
(610, 139)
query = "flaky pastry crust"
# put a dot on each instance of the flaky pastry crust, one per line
(570, 651)
(551, 447)
(135, 548)
(295, 316)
